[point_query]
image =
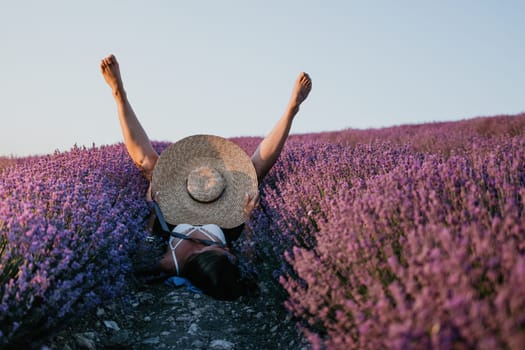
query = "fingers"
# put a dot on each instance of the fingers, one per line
(246, 206)
(155, 196)
(305, 85)
(256, 199)
(250, 203)
(306, 80)
(246, 200)
(251, 200)
(107, 61)
(304, 77)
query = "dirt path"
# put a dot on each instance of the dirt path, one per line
(162, 317)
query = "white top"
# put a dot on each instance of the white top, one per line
(212, 231)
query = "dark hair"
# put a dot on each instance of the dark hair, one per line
(217, 276)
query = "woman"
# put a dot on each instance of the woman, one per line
(200, 253)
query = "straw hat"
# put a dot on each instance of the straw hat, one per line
(203, 179)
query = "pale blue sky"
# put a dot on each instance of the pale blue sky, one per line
(227, 67)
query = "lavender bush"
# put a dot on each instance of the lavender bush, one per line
(402, 243)
(403, 237)
(67, 224)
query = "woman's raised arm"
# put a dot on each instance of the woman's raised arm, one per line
(271, 146)
(137, 142)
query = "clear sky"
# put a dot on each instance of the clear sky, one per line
(227, 67)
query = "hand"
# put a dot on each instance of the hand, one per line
(249, 204)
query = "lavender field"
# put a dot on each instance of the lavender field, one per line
(409, 237)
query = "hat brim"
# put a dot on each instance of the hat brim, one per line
(175, 163)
